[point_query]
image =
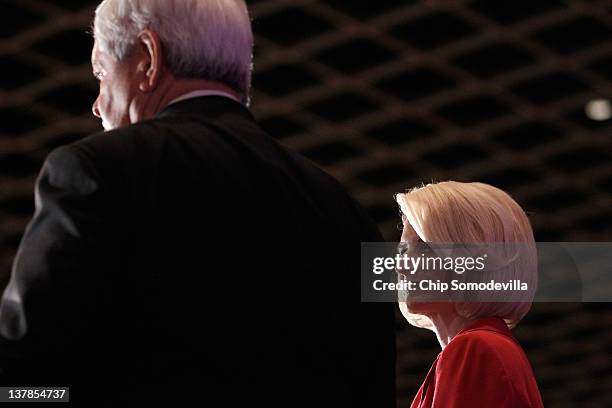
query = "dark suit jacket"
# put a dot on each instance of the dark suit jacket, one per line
(191, 257)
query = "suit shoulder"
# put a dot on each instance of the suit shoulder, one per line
(490, 345)
(67, 166)
(336, 196)
(118, 140)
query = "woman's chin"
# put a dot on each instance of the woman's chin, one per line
(411, 307)
(417, 307)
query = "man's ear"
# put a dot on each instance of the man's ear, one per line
(151, 64)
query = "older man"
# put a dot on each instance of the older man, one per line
(183, 254)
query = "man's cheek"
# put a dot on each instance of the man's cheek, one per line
(106, 114)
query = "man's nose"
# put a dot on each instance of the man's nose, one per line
(94, 108)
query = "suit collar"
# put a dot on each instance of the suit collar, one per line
(204, 106)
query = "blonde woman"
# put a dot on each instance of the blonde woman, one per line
(481, 363)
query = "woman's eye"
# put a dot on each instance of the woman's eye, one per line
(402, 222)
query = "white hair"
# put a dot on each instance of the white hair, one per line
(454, 212)
(207, 39)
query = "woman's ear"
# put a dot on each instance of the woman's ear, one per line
(151, 64)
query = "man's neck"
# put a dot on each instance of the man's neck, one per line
(173, 89)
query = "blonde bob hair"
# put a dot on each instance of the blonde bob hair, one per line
(455, 212)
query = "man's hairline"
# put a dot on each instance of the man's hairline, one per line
(97, 63)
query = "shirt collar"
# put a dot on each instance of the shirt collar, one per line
(203, 92)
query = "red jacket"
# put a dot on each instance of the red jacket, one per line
(482, 366)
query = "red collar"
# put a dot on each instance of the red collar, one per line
(494, 324)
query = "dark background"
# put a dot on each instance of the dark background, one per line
(385, 95)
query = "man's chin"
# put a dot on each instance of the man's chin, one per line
(107, 126)
(115, 124)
